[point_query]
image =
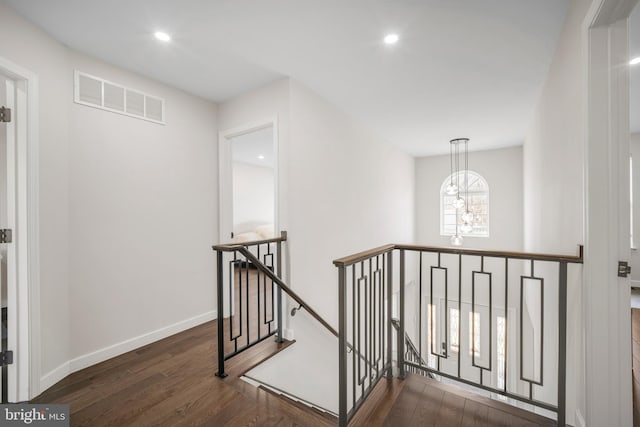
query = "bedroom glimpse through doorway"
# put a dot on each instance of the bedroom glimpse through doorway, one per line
(248, 182)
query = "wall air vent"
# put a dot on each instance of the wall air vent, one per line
(99, 93)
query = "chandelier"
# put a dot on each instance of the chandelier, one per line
(459, 186)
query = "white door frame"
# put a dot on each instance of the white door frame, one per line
(225, 194)
(24, 293)
(606, 312)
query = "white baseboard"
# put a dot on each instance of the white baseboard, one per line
(579, 419)
(288, 334)
(89, 359)
(50, 378)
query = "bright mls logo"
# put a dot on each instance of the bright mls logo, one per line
(36, 415)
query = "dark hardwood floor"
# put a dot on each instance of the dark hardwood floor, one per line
(172, 383)
(421, 401)
(635, 336)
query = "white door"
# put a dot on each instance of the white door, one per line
(7, 218)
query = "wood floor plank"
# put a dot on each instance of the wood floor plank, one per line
(429, 404)
(635, 371)
(405, 406)
(475, 414)
(376, 408)
(451, 409)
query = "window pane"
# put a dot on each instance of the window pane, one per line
(477, 204)
(474, 334)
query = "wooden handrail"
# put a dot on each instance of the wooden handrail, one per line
(230, 247)
(361, 256)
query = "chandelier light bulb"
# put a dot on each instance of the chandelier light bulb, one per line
(467, 217)
(459, 203)
(451, 189)
(466, 228)
(456, 240)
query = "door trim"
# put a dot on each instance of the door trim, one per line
(26, 299)
(606, 312)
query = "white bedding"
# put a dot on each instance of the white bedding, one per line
(261, 232)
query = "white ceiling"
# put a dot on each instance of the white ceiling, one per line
(634, 50)
(462, 68)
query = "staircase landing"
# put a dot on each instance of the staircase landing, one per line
(421, 401)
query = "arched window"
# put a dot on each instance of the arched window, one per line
(477, 205)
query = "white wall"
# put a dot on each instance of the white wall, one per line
(342, 189)
(127, 210)
(553, 149)
(32, 49)
(143, 214)
(253, 196)
(553, 180)
(505, 198)
(348, 191)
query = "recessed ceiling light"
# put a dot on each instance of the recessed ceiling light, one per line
(162, 36)
(391, 38)
(261, 157)
(635, 61)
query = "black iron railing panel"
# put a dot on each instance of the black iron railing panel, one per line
(493, 320)
(365, 318)
(249, 295)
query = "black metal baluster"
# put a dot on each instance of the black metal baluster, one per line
(400, 344)
(246, 269)
(342, 347)
(420, 305)
(506, 320)
(258, 295)
(354, 346)
(459, 311)
(279, 291)
(220, 304)
(562, 344)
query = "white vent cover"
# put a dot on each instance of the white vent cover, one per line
(96, 92)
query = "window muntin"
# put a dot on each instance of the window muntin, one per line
(478, 205)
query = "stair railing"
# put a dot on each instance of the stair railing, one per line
(261, 262)
(412, 354)
(482, 283)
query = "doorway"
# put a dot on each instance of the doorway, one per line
(249, 183)
(248, 194)
(20, 290)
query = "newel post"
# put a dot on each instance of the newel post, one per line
(342, 347)
(400, 337)
(562, 345)
(220, 280)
